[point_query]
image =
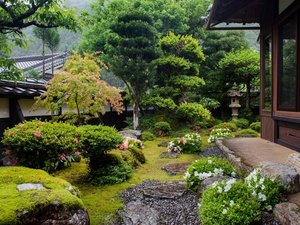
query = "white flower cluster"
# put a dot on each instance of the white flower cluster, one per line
(217, 133)
(204, 175)
(256, 183)
(174, 146)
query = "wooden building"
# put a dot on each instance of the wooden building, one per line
(279, 25)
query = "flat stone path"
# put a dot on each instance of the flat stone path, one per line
(255, 151)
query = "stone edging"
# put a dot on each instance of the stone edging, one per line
(236, 161)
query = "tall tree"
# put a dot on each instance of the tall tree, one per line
(241, 67)
(131, 50)
(16, 15)
(40, 33)
(52, 41)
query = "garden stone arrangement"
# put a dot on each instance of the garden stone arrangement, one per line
(158, 203)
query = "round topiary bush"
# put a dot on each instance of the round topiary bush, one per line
(162, 129)
(30, 196)
(41, 145)
(193, 113)
(112, 169)
(95, 141)
(256, 126)
(148, 136)
(229, 203)
(242, 123)
(247, 133)
(207, 167)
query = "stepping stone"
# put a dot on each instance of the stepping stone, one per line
(169, 190)
(163, 144)
(136, 212)
(171, 155)
(176, 168)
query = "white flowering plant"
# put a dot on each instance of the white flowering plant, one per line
(229, 202)
(268, 191)
(208, 167)
(189, 143)
(219, 133)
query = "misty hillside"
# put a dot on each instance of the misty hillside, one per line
(69, 40)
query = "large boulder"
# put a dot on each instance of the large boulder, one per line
(31, 197)
(285, 173)
(287, 213)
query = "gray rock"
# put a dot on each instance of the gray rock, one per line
(55, 214)
(294, 160)
(72, 190)
(135, 134)
(169, 190)
(285, 173)
(287, 213)
(176, 168)
(30, 186)
(163, 144)
(209, 181)
(138, 213)
(170, 155)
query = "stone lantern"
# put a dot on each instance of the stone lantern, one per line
(235, 95)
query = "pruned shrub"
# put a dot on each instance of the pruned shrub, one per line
(256, 126)
(98, 140)
(42, 145)
(207, 167)
(112, 169)
(247, 133)
(242, 123)
(162, 129)
(189, 143)
(229, 203)
(148, 136)
(229, 125)
(219, 133)
(193, 113)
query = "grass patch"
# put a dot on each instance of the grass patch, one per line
(102, 202)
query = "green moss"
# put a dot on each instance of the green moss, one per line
(102, 202)
(12, 201)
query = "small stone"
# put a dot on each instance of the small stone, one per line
(163, 144)
(287, 213)
(170, 155)
(72, 190)
(209, 181)
(30, 186)
(176, 168)
(285, 173)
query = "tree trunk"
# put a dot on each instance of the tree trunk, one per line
(135, 113)
(248, 96)
(52, 64)
(43, 53)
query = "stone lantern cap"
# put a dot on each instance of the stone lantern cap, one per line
(234, 92)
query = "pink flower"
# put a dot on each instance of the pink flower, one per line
(14, 162)
(121, 146)
(77, 153)
(37, 134)
(9, 133)
(62, 157)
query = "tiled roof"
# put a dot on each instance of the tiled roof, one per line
(29, 88)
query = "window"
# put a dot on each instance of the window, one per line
(287, 66)
(267, 75)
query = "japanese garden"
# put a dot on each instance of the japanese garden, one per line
(149, 112)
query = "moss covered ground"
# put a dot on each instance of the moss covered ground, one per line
(102, 202)
(13, 202)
